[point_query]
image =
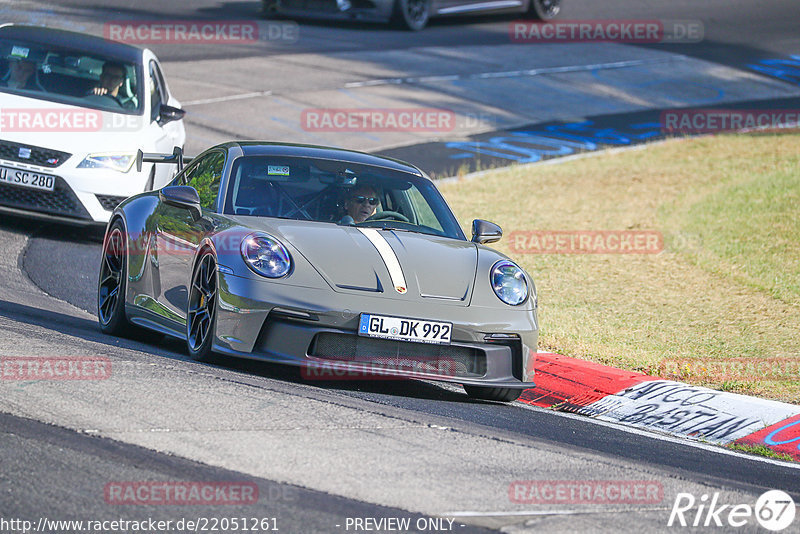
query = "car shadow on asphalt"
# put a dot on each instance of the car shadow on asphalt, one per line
(83, 328)
(386, 385)
(170, 348)
(53, 230)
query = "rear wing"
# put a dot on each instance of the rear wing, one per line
(153, 157)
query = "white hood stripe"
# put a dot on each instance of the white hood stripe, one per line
(388, 256)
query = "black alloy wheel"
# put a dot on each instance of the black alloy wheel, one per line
(545, 9)
(201, 316)
(111, 285)
(412, 14)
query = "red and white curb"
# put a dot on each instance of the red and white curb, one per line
(665, 406)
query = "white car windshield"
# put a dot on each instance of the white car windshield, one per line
(75, 77)
(337, 192)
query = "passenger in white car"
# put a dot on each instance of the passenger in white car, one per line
(20, 75)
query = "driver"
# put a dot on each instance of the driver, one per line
(111, 79)
(361, 203)
(20, 74)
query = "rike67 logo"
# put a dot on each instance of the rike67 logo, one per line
(774, 510)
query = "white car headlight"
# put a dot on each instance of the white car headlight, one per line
(117, 162)
(266, 256)
(508, 282)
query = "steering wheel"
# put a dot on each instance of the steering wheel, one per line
(104, 98)
(129, 103)
(381, 215)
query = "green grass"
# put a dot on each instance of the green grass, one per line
(760, 450)
(726, 287)
(750, 231)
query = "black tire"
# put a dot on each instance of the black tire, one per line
(110, 303)
(201, 313)
(544, 9)
(493, 394)
(112, 283)
(411, 14)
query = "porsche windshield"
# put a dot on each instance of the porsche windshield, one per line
(339, 193)
(75, 77)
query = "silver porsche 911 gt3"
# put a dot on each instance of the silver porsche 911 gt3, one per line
(320, 258)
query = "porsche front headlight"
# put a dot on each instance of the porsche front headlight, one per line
(266, 256)
(116, 162)
(508, 282)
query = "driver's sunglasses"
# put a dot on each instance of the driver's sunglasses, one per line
(360, 199)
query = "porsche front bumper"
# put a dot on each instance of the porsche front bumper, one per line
(313, 328)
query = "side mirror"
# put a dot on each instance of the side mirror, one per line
(169, 113)
(182, 196)
(485, 232)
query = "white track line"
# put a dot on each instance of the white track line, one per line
(664, 437)
(513, 73)
(228, 98)
(455, 77)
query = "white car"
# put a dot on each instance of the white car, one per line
(74, 110)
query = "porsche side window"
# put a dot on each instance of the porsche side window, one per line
(183, 177)
(424, 214)
(205, 177)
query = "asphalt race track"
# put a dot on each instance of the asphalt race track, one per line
(324, 453)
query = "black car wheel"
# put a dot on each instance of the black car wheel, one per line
(201, 316)
(412, 14)
(493, 394)
(269, 9)
(111, 285)
(544, 9)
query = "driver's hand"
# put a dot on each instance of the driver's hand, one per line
(99, 91)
